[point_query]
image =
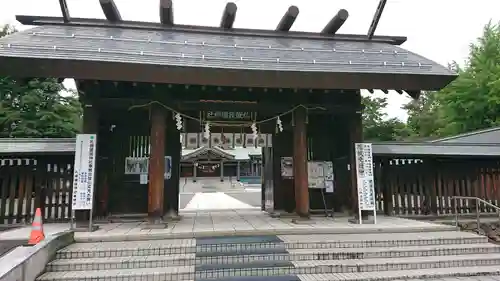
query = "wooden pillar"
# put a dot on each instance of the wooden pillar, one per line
(195, 171)
(238, 171)
(90, 126)
(355, 136)
(156, 163)
(300, 163)
(221, 170)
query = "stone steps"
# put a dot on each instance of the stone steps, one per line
(434, 267)
(292, 255)
(242, 245)
(285, 257)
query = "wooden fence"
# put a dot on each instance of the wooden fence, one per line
(29, 183)
(421, 187)
(404, 187)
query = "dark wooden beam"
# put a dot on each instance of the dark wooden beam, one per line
(336, 22)
(228, 16)
(64, 10)
(110, 10)
(166, 12)
(376, 18)
(288, 19)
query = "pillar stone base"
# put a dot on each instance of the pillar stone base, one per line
(172, 216)
(155, 226)
(155, 223)
(302, 220)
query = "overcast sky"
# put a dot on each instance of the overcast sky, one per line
(438, 29)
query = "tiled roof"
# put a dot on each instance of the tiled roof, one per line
(468, 134)
(36, 146)
(67, 146)
(237, 153)
(225, 51)
(436, 149)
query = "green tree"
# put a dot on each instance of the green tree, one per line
(6, 30)
(376, 124)
(423, 116)
(36, 107)
(472, 101)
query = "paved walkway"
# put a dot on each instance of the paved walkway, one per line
(233, 222)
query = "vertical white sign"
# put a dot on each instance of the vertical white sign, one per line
(84, 172)
(365, 180)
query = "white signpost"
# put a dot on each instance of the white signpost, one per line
(365, 180)
(84, 175)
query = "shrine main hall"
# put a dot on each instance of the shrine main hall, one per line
(143, 85)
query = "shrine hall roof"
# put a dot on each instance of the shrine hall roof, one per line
(36, 51)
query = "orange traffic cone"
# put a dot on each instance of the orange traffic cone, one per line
(36, 229)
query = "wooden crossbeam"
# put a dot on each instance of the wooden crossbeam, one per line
(110, 10)
(64, 10)
(166, 12)
(288, 19)
(376, 18)
(228, 16)
(336, 22)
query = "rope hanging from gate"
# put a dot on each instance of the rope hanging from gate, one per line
(232, 124)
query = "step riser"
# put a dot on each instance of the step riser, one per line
(231, 248)
(125, 253)
(339, 269)
(169, 277)
(275, 257)
(322, 269)
(123, 265)
(413, 276)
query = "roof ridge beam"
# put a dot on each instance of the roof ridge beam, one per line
(336, 22)
(288, 19)
(64, 10)
(228, 16)
(212, 30)
(110, 10)
(167, 12)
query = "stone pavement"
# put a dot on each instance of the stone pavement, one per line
(233, 222)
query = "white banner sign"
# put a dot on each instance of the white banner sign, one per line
(84, 172)
(365, 179)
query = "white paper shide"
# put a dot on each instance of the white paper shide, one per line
(365, 180)
(84, 172)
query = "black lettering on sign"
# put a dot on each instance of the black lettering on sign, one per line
(228, 115)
